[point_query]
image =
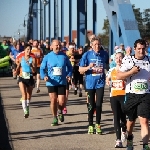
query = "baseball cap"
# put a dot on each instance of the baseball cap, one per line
(121, 44)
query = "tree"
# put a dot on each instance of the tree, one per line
(139, 19)
(105, 35)
(146, 23)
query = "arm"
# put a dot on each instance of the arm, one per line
(33, 66)
(11, 56)
(127, 69)
(43, 67)
(123, 75)
(83, 65)
(82, 70)
(108, 76)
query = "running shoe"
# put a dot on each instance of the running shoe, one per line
(55, 122)
(146, 147)
(118, 144)
(61, 117)
(75, 92)
(130, 145)
(123, 136)
(28, 110)
(38, 91)
(98, 129)
(64, 111)
(90, 130)
(80, 94)
(26, 115)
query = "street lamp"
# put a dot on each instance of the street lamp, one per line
(45, 2)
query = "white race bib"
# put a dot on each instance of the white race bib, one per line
(118, 85)
(25, 75)
(140, 87)
(57, 71)
(96, 71)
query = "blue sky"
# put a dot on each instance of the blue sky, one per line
(12, 13)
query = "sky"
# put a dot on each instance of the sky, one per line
(13, 12)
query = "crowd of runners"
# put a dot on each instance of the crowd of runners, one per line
(63, 67)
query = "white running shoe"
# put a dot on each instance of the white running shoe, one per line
(118, 144)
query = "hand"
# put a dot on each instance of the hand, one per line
(108, 83)
(135, 69)
(68, 78)
(91, 65)
(45, 78)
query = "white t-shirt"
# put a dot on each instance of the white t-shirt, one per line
(138, 83)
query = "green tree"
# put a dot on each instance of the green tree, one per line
(139, 18)
(146, 23)
(105, 35)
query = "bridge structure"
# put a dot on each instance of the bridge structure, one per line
(123, 25)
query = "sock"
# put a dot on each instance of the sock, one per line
(80, 90)
(24, 106)
(75, 89)
(87, 105)
(130, 137)
(59, 111)
(28, 102)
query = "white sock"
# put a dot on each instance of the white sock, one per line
(24, 106)
(28, 102)
(75, 89)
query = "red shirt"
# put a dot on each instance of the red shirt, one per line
(20, 55)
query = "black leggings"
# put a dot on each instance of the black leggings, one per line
(117, 105)
(91, 104)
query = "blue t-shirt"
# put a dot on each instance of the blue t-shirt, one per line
(52, 62)
(95, 77)
(15, 52)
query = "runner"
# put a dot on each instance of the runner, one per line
(136, 71)
(39, 56)
(26, 68)
(13, 55)
(77, 76)
(117, 97)
(93, 63)
(55, 78)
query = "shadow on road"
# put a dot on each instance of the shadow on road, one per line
(4, 139)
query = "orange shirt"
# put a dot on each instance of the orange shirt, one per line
(38, 56)
(118, 86)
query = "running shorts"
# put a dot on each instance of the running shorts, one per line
(59, 90)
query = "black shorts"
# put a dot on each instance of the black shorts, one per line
(38, 70)
(67, 85)
(78, 77)
(59, 90)
(14, 66)
(27, 82)
(137, 105)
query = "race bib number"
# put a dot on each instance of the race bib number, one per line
(141, 87)
(57, 71)
(118, 85)
(97, 71)
(25, 75)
